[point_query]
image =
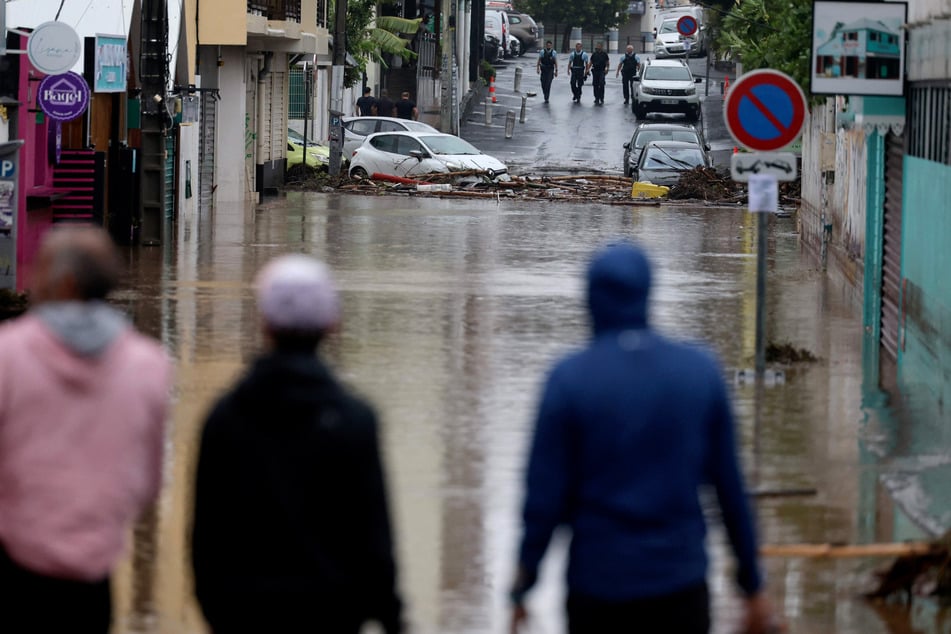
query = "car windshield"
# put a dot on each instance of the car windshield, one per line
(673, 158)
(417, 126)
(667, 73)
(646, 136)
(670, 26)
(448, 144)
(298, 138)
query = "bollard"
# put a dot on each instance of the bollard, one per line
(488, 113)
(492, 88)
(509, 124)
(521, 115)
(518, 79)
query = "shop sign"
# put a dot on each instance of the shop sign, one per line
(9, 166)
(53, 48)
(63, 97)
(110, 64)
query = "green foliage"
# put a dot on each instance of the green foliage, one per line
(596, 15)
(769, 34)
(369, 39)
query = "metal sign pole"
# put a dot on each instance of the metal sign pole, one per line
(762, 222)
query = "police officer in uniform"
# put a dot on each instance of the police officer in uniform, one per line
(598, 68)
(578, 66)
(627, 68)
(547, 67)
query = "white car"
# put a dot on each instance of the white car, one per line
(411, 154)
(670, 43)
(357, 129)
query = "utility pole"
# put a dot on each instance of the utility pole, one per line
(336, 87)
(153, 65)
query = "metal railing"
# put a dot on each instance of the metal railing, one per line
(276, 9)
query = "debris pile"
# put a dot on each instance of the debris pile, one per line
(923, 572)
(786, 353)
(700, 184)
(710, 185)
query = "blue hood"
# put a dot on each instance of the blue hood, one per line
(619, 281)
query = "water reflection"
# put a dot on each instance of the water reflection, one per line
(453, 311)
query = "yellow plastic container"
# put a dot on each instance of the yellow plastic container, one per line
(647, 190)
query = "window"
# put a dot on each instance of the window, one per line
(667, 73)
(873, 36)
(407, 144)
(929, 122)
(363, 127)
(385, 142)
(390, 126)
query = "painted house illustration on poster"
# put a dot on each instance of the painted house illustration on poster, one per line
(865, 49)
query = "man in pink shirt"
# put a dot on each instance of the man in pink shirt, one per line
(83, 400)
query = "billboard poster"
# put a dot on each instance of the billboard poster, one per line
(111, 62)
(858, 48)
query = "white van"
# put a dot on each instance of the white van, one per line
(493, 27)
(511, 49)
(699, 39)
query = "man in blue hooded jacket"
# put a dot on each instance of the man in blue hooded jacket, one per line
(627, 431)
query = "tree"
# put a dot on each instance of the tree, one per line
(773, 34)
(370, 37)
(596, 15)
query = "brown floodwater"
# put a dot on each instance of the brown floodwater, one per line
(453, 311)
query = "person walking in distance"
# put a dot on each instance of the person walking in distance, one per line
(577, 68)
(83, 403)
(366, 105)
(598, 68)
(547, 67)
(628, 67)
(291, 523)
(384, 105)
(405, 108)
(628, 429)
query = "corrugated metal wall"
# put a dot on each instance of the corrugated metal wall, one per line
(891, 245)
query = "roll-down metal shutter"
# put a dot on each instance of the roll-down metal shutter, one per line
(891, 247)
(278, 115)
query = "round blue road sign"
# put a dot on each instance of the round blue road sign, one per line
(765, 110)
(687, 25)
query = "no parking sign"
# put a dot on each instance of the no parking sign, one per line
(765, 110)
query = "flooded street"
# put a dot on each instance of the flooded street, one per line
(453, 311)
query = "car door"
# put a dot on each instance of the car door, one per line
(355, 132)
(412, 165)
(382, 156)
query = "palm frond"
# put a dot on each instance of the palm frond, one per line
(394, 24)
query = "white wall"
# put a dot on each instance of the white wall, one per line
(229, 161)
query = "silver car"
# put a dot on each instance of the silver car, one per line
(357, 129)
(663, 162)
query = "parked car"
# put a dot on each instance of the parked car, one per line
(699, 39)
(317, 155)
(669, 42)
(417, 153)
(356, 129)
(663, 162)
(515, 47)
(493, 48)
(646, 132)
(666, 85)
(522, 26)
(497, 23)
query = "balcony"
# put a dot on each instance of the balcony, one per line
(278, 10)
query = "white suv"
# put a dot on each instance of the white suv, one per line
(666, 85)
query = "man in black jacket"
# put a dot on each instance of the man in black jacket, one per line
(291, 526)
(598, 67)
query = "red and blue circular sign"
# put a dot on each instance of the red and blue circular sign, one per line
(687, 25)
(765, 110)
(63, 97)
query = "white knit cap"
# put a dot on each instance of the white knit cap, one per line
(295, 292)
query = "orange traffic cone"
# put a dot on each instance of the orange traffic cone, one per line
(726, 85)
(492, 88)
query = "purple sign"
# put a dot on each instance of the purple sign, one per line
(63, 97)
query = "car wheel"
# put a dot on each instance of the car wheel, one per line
(359, 173)
(640, 112)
